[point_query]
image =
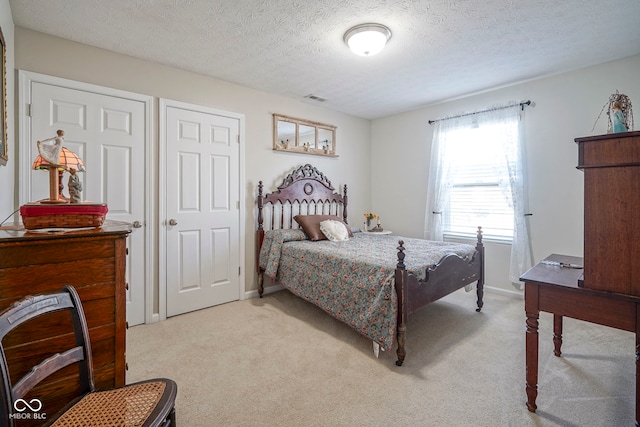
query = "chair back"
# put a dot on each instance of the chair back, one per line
(36, 312)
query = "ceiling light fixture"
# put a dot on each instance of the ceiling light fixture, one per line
(367, 39)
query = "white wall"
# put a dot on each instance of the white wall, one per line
(44, 54)
(8, 191)
(566, 107)
(384, 162)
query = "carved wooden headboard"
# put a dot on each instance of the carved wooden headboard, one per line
(305, 191)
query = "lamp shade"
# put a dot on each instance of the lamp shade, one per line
(67, 160)
(367, 39)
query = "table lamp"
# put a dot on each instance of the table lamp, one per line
(58, 211)
(67, 160)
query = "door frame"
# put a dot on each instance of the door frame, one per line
(25, 79)
(164, 103)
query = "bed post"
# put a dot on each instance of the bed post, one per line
(401, 291)
(260, 238)
(344, 204)
(480, 286)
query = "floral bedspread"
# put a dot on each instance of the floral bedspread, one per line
(351, 280)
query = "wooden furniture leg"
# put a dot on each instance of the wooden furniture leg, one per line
(260, 283)
(557, 334)
(401, 291)
(532, 360)
(637, 365)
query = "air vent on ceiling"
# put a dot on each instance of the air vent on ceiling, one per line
(315, 97)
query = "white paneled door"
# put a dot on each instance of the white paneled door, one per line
(202, 207)
(109, 134)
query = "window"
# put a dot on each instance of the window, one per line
(479, 177)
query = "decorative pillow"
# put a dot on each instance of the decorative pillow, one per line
(311, 225)
(335, 231)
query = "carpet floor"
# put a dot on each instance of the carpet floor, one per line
(280, 361)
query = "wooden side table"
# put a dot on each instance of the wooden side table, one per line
(555, 290)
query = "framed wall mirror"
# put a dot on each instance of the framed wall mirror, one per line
(4, 156)
(303, 136)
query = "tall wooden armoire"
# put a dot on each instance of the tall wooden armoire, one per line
(611, 166)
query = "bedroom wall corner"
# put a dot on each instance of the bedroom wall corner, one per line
(40, 53)
(566, 107)
(9, 194)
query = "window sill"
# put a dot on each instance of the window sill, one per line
(473, 237)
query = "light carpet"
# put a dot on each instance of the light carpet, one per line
(280, 361)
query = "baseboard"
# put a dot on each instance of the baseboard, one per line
(267, 290)
(500, 291)
(512, 294)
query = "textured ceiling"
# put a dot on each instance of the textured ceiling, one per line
(439, 50)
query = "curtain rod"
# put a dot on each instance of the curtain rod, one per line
(522, 104)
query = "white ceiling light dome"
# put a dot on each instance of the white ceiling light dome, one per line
(367, 39)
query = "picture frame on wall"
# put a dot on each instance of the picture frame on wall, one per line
(4, 155)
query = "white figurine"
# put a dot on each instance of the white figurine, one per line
(50, 148)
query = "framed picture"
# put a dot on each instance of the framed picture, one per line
(303, 136)
(3, 101)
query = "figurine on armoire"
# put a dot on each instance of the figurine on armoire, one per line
(620, 113)
(617, 118)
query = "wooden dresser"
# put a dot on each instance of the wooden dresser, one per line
(93, 261)
(611, 165)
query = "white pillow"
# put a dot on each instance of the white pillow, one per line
(335, 231)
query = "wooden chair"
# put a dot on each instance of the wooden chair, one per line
(145, 403)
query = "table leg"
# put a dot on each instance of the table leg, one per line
(532, 360)
(637, 365)
(557, 334)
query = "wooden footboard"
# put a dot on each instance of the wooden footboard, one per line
(449, 275)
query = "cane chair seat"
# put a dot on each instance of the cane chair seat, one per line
(128, 406)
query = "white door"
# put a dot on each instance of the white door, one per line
(202, 207)
(109, 134)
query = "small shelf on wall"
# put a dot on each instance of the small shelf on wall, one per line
(303, 136)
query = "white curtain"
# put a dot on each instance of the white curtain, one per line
(500, 124)
(439, 177)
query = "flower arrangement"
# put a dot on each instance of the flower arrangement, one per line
(369, 218)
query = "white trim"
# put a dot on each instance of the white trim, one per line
(505, 292)
(267, 290)
(275, 288)
(25, 80)
(473, 236)
(162, 202)
(162, 211)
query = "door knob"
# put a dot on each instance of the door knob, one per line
(137, 224)
(173, 222)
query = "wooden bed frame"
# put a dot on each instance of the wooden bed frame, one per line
(307, 191)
